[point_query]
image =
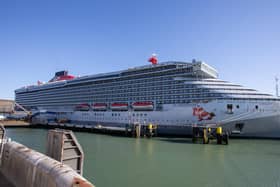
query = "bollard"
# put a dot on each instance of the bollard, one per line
(219, 132)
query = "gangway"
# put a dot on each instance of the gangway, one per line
(19, 115)
(22, 108)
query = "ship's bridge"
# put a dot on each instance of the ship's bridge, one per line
(204, 70)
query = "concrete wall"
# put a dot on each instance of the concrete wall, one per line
(25, 167)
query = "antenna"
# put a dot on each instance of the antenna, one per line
(276, 86)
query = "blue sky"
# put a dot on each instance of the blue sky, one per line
(240, 38)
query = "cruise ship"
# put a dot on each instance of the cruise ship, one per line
(173, 95)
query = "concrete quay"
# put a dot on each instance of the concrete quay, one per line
(15, 123)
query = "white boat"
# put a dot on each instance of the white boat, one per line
(2, 117)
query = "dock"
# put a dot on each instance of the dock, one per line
(15, 123)
(130, 130)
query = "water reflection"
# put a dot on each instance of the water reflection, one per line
(137, 146)
(150, 147)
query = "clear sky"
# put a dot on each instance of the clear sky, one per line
(240, 38)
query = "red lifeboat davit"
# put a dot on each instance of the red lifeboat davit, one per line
(99, 106)
(144, 105)
(119, 106)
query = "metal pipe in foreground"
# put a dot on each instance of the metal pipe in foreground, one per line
(24, 167)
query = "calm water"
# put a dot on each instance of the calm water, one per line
(119, 161)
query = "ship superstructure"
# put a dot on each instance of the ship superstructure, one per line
(170, 94)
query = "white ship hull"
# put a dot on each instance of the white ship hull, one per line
(257, 118)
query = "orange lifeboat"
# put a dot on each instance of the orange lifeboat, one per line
(99, 106)
(83, 107)
(119, 106)
(142, 106)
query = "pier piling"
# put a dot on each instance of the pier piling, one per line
(205, 133)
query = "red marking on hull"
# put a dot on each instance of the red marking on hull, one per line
(202, 114)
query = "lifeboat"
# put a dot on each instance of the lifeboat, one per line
(99, 106)
(119, 106)
(145, 105)
(83, 107)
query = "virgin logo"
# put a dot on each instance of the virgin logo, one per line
(202, 114)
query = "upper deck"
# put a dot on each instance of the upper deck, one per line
(196, 68)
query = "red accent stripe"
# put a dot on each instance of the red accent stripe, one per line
(119, 104)
(83, 105)
(142, 103)
(65, 77)
(99, 104)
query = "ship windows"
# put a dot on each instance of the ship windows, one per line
(239, 126)
(237, 106)
(257, 107)
(229, 108)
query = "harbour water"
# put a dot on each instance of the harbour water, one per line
(161, 162)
